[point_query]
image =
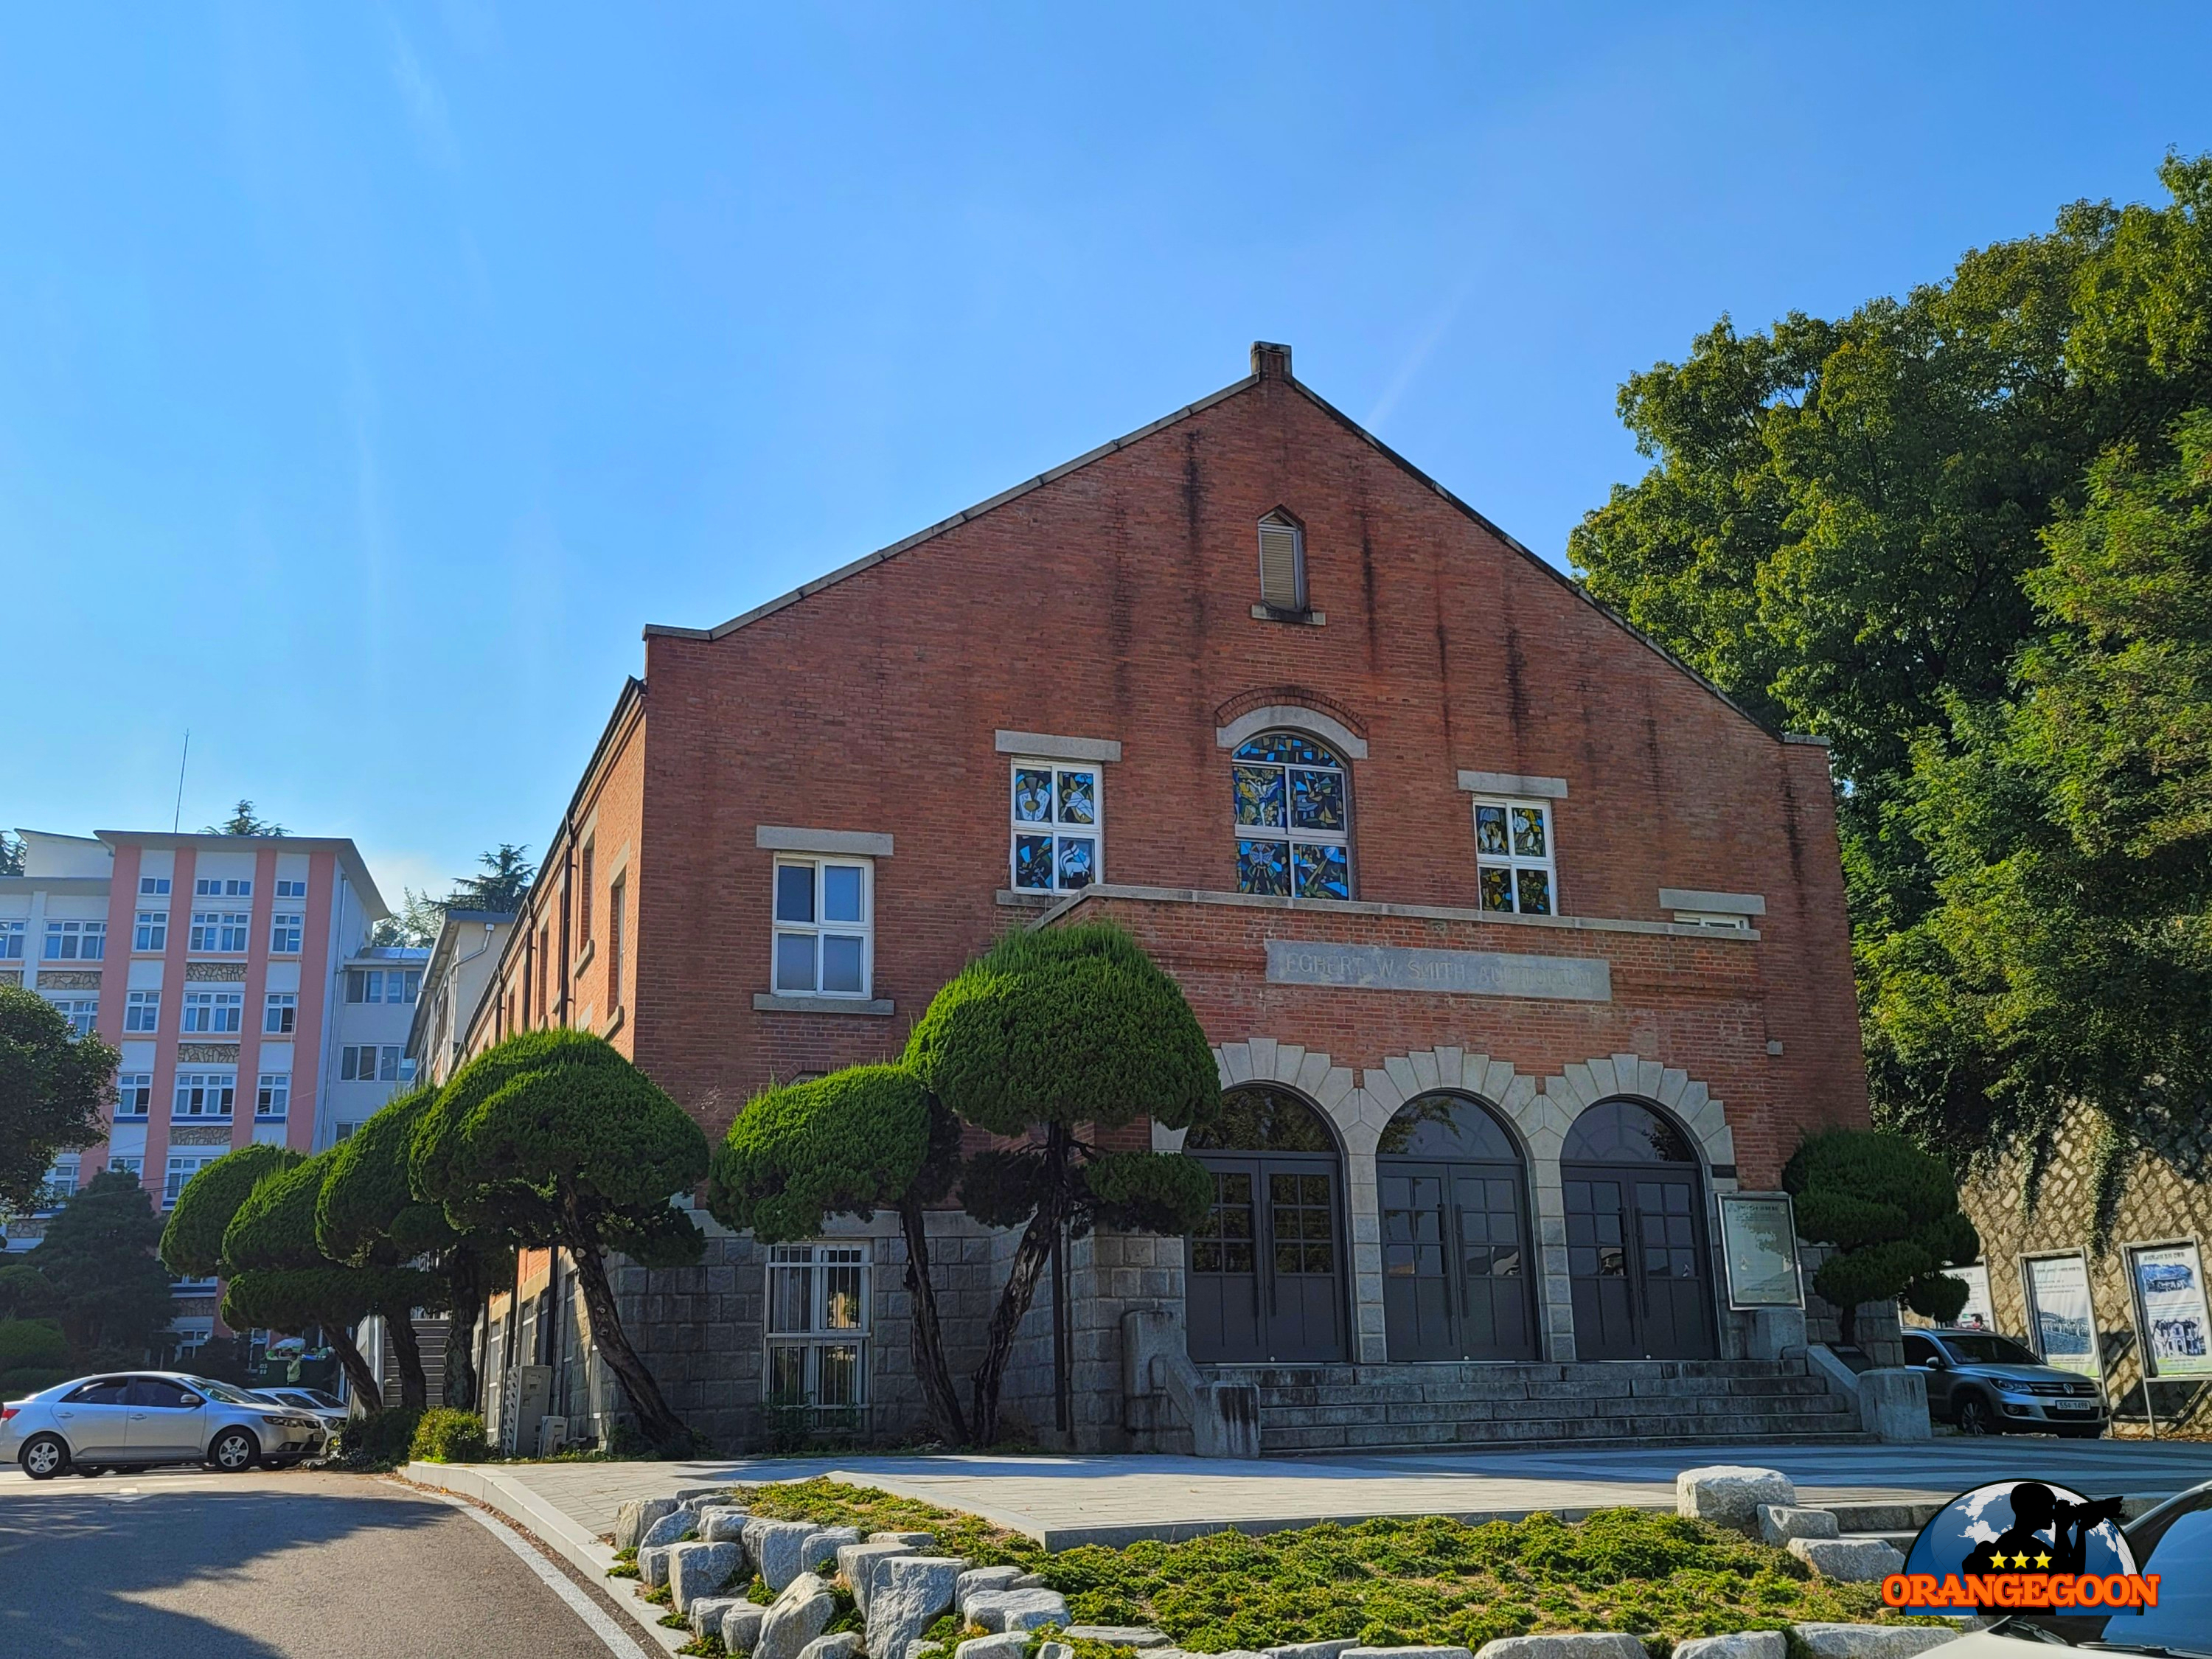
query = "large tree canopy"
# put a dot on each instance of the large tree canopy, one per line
(53, 1086)
(1963, 536)
(111, 1294)
(191, 1243)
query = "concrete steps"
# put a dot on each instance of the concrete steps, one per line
(1428, 1407)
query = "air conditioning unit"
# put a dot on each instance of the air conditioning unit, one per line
(552, 1435)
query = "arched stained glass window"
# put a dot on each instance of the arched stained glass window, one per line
(1293, 806)
(1622, 1131)
(1263, 1121)
(1447, 1126)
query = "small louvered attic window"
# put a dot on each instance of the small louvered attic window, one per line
(1282, 564)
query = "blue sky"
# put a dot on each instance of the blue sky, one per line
(369, 376)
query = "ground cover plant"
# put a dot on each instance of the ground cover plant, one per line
(1390, 1583)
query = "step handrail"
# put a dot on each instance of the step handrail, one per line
(1224, 1417)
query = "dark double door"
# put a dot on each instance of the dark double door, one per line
(1266, 1282)
(1455, 1261)
(1637, 1260)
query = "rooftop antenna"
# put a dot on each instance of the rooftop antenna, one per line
(178, 817)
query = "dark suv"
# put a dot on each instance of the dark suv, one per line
(1989, 1384)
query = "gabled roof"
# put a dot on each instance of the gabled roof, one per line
(1270, 362)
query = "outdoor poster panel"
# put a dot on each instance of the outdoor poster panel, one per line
(2169, 1286)
(1759, 1231)
(1977, 1314)
(2060, 1322)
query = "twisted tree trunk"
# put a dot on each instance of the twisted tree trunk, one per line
(461, 1329)
(357, 1370)
(414, 1381)
(1030, 1258)
(929, 1367)
(655, 1420)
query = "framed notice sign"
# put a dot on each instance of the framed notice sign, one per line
(2168, 1281)
(1759, 1233)
(2060, 1322)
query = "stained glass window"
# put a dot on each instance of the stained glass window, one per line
(1513, 868)
(1057, 827)
(1292, 803)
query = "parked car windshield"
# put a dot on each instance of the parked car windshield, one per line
(329, 1402)
(1987, 1348)
(228, 1395)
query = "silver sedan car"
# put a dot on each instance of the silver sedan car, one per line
(141, 1417)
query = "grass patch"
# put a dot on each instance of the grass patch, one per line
(673, 1621)
(660, 1596)
(1391, 1583)
(708, 1646)
(624, 1570)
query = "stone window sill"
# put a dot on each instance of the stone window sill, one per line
(614, 1022)
(1020, 900)
(765, 1003)
(1304, 618)
(584, 958)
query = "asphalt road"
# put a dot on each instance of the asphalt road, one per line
(189, 1566)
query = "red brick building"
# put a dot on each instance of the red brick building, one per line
(1521, 942)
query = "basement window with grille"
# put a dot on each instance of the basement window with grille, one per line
(1282, 568)
(818, 1329)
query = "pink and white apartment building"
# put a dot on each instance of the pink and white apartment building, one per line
(235, 975)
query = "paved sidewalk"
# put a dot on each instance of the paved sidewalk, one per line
(1065, 1501)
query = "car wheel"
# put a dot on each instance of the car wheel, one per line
(234, 1451)
(1974, 1416)
(44, 1457)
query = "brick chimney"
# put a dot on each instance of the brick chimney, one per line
(1271, 362)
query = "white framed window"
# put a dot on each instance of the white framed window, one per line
(132, 1165)
(75, 941)
(817, 1327)
(1060, 834)
(183, 1166)
(222, 932)
(141, 1011)
(284, 934)
(205, 1094)
(291, 888)
(367, 1062)
(82, 1013)
(1513, 855)
(1282, 562)
(280, 1014)
(215, 1011)
(383, 984)
(824, 944)
(214, 887)
(134, 1094)
(60, 1184)
(153, 886)
(151, 931)
(11, 941)
(1291, 797)
(272, 1095)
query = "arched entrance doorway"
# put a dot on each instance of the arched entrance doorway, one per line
(1456, 1268)
(1266, 1279)
(1636, 1260)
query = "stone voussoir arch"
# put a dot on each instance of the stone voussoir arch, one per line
(1583, 1084)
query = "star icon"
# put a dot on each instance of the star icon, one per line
(2042, 1560)
(2021, 1560)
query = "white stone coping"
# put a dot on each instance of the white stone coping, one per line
(856, 843)
(1104, 889)
(1291, 717)
(767, 1002)
(1513, 783)
(1728, 904)
(1046, 747)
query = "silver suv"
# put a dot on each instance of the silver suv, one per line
(1989, 1384)
(141, 1417)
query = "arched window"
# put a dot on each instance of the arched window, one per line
(1622, 1131)
(1267, 1267)
(1293, 805)
(1457, 1279)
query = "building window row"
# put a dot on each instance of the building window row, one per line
(216, 887)
(367, 1062)
(151, 931)
(183, 1166)
(205, 1094)
(11, 941)
(383, 984)
(219, 933)
(153, 886)
(817, 1328)
(134, 1094)
(75, 941)
(82, 1013)
(219, 1012)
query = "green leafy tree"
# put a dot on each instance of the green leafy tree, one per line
(242, 822)
(34, 1354)
(553, 1138)
(278, 1277)
(1047, 1040)
(368, 1215)
(858, 1140)
(25, 1292)
(53, 1085)
(192, 1242)
(416, 923)
(1892, 1212)
(507, 875)
(11, 854)
(111, 1294)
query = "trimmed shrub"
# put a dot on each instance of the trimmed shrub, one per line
(379, 1441)
(1892, 1211)
(445, 1436)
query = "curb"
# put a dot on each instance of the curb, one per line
(568, 1539)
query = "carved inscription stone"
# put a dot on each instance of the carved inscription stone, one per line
(1456, 973)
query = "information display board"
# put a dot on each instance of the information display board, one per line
(2168, 1280)
(1759, 1235)
(2060, 1320)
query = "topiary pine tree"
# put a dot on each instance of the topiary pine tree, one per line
(192, 1244)
(1047, 1039)
(278, 1276)
(1892, 1212)
(554, 1139)
(865, 1139)
(368, 1215)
